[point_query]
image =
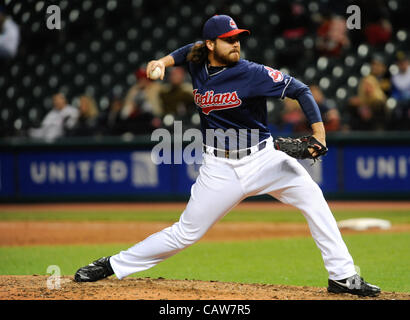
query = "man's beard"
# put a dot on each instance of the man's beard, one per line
(226, 59)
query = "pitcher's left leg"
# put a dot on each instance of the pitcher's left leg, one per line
(308, 197)
(303, 193)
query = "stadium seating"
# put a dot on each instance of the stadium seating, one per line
(102, 43)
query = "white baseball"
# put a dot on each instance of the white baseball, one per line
(155, 74)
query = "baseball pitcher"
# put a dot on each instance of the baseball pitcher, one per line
(230, 95)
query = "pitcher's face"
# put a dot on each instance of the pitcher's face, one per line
(226, 51)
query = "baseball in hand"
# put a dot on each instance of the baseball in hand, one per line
(155, 74)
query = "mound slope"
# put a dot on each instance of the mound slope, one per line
(35, 288)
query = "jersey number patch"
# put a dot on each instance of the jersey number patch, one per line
(276, 75)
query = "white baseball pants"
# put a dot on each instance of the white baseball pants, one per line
(221, 185)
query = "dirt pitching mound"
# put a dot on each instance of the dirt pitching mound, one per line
(37, 288)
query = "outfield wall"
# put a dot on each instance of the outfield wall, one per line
(357, 166)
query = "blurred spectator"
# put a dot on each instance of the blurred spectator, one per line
(136, 120)
(139, 120)
(330, 115)
(360, 107)
(148, 92)
(61, 118)
(297, 21)
(293, 29)
(401, 80)
(376, 21)
(293, 114)
(379, 70)
(368, 109)
(88, 118)
(332, 36)
(110, 122)
(176, 96)
(293, 117)
(401, 92)
(378, 32)
(9, 36)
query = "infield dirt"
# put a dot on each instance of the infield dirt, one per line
(35, 288)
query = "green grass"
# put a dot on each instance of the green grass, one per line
(384, 260)
(89, 215)
(393, 215)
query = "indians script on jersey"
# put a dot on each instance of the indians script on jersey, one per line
(210, 101)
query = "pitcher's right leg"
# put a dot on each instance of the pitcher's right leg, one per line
(215, 192)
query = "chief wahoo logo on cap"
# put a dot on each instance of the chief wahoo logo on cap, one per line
(233, 24)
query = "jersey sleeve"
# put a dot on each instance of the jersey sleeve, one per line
(299, 91)
(268, 82)
(180, 54)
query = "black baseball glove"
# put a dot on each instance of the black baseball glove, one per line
(299, 147)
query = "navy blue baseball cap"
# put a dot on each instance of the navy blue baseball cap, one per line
(221, 26)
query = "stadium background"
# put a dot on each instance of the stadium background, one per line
(102, 44)
(98, 52)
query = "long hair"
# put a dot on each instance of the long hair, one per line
(198, 53)
(370, 91)
(90, 106)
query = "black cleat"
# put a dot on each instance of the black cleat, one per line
(95, 271)
(353, 285)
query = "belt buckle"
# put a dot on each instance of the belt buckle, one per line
(227, 154)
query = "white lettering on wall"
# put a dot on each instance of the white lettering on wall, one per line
(365, 169)
(56, 172)
(100, 171)
(388, 167)
(71, 172)
(402, 167)
(84, 167)
(83, 171)
(118, 171)
(38, 172)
